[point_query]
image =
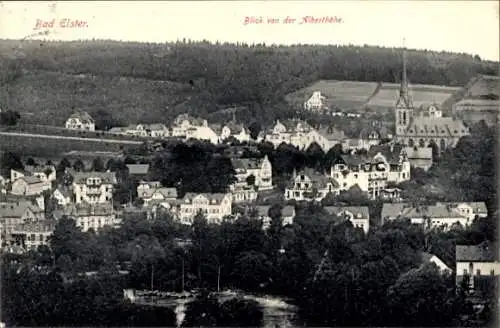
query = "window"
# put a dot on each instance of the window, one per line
(478, 272)
(492, 272)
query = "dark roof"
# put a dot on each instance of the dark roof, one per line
(355, 160)
(246, 163)
(138, 169)
(358, 211)
(484, 252)
(390, 152)
(331, 133)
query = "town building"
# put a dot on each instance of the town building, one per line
(89, 216)
(420, 157)
(187, 127)
(440, 215)
(46, 173)
(426, 126)
(93, 187)
(157, 195)
(315, 103)
(63, 196)
(214, 206)
(293, 132)
(235, 130)
(359, 216)
(260, 168)
(478, 264)
(373, 172)
(32, 235)
(328, 137)
(157, 130)
(29, 185)
(476, 110)
(309, 185)
(80, 120)
(14, 214)
(138, 170)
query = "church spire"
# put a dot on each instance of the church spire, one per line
(404, 97)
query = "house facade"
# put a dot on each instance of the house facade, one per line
(237, 131)
(90, 216)
(29, 186)
(373, 172)
(32, 235)
(46, 173)
(93, 187)
(214, 206)
(62, 196)
(309, 185)
(294, 132)
(15, 214)
(157, 130)
(479, 263)
(359, 216)
(184, 125)
(157, 195)
(80, 121)
(315, 103)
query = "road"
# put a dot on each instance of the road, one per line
(34, 135)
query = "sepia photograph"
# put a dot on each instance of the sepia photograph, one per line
(267, 164)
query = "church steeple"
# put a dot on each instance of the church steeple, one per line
(404, 100)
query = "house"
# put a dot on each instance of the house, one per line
(315, 103)
(328, 137)
(29, 185)
(80, 120)
(420, 157)
(287, 215)
(424, 127)
(260, 168)
(373, 135)
(359, 216)
(308, 185)
(235, 130)
(146, 185)
(46, 173)
(479, 264)
(431, 258)
(205, 133)
(476, 110)
(185, 122)
(214, 206)
(14, 214)
(62, 196)
(372, 172)
(144, 130)
(32, 235)
(138, 170)
(89, 216)
(293, 132)
(157, 195)
(439, 215)
(93, 187)
(37, 200)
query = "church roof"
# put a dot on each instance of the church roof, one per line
(436, 127)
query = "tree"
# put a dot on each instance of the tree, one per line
(78, 165)
(31, 162)
(104, 120)
(97, 165)
(9, 118)
(10, 161)
(254, 129)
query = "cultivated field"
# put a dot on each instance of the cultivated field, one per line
(355, 95)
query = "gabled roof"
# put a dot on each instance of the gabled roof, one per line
(64, 191)
(434, 211)
(331, 133)
(393, 210)
(234, 127)
(106, 177)
(36, 227)
(84, 117)
(390, 152)
(263, 210)
(217, 197)
(288, 211)
(78, 210)
(17, 209)
(355, 160)
(292, 124)
(436, 127)
(38, 168)
(359, 212)
(381, 131)
(165, 192)
(217, 128)
(318, 180)
(484, 252)
(138, 169)
(30, 179)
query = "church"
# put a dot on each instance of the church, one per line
(422, 127)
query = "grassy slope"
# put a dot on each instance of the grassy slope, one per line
(49, 98)
(354, 95)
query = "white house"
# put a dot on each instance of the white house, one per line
(315, 103)
(32, 235)
(477, 262)
(308, 185)
(14, 214)
(372, 173)
(237, 131)
(157, 195)
(431, 258)
(185, 122)
(214, 206)
(260, 168)
(29, 185)
(62, 196)
(359, 216)
(328, 137)
(80, 120)
(294, 132)
(157, 130)
(439, 215)
(206, 133)
(90, 216)
(46, 173)
(93, 187)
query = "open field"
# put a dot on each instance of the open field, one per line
(52, 146)
(355, 95)
(45, 97)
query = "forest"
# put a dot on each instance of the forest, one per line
(212, 76)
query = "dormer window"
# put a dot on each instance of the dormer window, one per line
(302, 177)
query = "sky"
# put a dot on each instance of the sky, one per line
(457, 26)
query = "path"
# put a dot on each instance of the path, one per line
(46, 136)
